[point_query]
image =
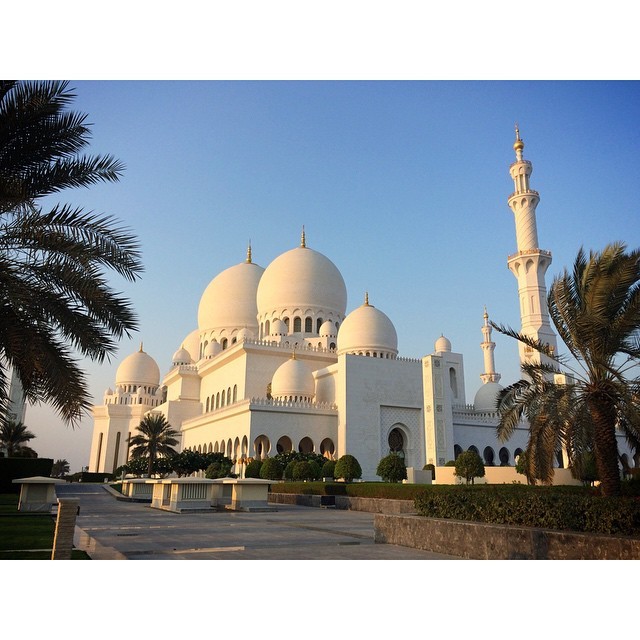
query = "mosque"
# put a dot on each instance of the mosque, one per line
(276, 364)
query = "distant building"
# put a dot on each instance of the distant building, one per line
(276, 364)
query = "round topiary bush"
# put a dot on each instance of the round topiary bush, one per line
(302, 471)
(328, 469)
(252, 469)
(432, 468)
(316, 470)
(288, 470)
(391, 468)
(347, 468)
(271, 469)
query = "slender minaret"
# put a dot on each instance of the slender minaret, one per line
(530, 263)
(488, 347)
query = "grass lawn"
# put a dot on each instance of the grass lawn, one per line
(29, 535)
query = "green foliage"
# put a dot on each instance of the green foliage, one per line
(522, 467)
(155, 438)
(252, 469)
(288, 470)
(58, 305)
(271, 469)
(14, 436)
(584, 468)
(328, 469)
(541, 507)
(392, 468)
(220, 469)
(348, 468)
(295, 456)
(432, 468)
(450, 463)
(187, 462)
(302, 471)
(59, 469)
(469, 466)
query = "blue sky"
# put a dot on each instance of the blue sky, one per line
(402, 184)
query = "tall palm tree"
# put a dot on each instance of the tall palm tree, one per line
(60, 468)
(55, 301)
(156, 438)
(14, 436)
(596, 312)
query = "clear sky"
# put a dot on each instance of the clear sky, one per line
(402, 184)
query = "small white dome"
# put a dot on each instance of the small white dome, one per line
(292, 380)
(138, 368)
(244, 334)
(442, 344)
(212, 349)
(192, 344)
(368, 330)
(181, 356)
(486, 397)
(278, 328)
(328, 329)
(108, 392)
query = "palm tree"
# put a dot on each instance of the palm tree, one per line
(596, 312)
(55, 301)
(60, 468)
(156, 438)
(13, 436)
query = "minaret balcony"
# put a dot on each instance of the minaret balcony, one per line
(529, 252)
(532, 192)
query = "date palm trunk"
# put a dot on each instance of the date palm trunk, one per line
(605, 445)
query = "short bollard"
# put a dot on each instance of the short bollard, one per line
(68, 509)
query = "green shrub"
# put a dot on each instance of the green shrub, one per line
(391, 468)
(315, 469)
(432, 468)
(271, 469)
(541, 507)
(348, 468)
(450, 463)
(252, 469)
(288, 470)
(469, 466)
(302, 470)
(328, 469)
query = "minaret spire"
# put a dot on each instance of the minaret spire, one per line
(248, 260)
(530, 263)
(488, 347)
(303, 239)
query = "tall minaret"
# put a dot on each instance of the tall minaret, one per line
(530, 263)
(488, 347)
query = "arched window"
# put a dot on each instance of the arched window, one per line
(284, 445)
(474, 448)
(218, 400)
(489, 456)
(286, 323)
(267, 328)
(306, 445)
(222, 399)
(318, 325)
(235, 393)
(396, 442)
(229, 395)
(457, 450)
(503, 454)
(453, 381)
(225, 343)
(207, 407)
(297, 324)
(308, 325)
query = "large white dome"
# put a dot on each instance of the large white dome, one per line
(139, 368)
(486, 397)
(229, 301)
(368, 331)
(302, 281)
(293, 380)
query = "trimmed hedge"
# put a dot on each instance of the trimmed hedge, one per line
(393, 491)
(540, 507)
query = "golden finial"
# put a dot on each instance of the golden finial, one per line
(486, 315)
(366, 299)
(293, 355)
(518, 145)
(141, 348)
(249, 253)
(303, 239)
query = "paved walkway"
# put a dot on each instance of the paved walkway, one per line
(110, 529)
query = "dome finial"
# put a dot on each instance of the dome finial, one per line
(293, 355)
(303, 239)
(249, 253)
(141, 350)
(366, 298)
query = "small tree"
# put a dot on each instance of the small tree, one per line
(253, 469)
(220, 469)
(469, 466)
(348, 468)
(328, 469)
(271, 469)
(316, 470)
(302, 471)
(59, 469)
(391, 468)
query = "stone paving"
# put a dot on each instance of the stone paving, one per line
(108, 528)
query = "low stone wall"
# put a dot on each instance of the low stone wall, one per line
(481, 541)
(370, 505)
